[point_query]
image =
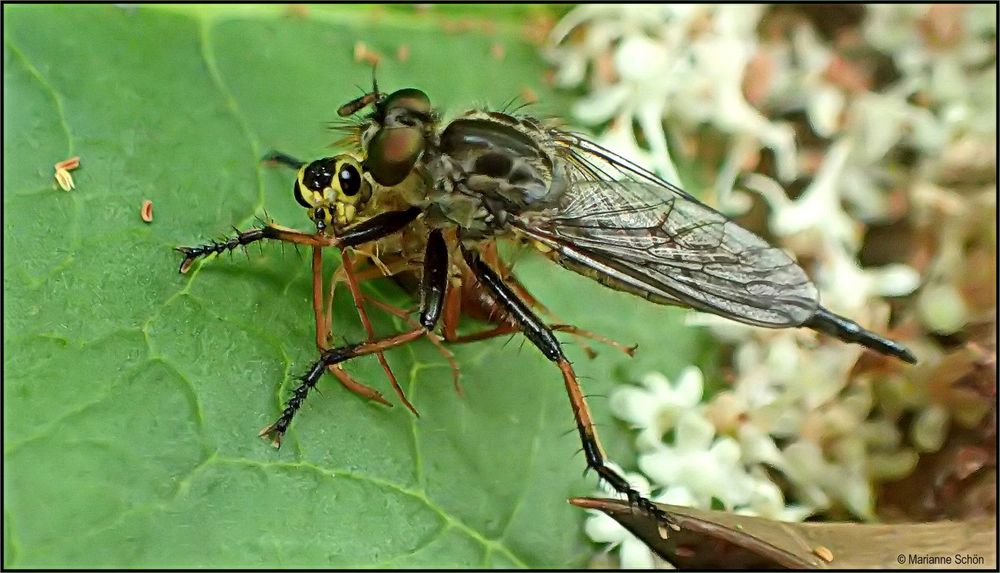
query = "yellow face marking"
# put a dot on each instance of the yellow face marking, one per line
(338, 202)
(345, 213)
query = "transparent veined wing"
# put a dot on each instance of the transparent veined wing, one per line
(628, 228)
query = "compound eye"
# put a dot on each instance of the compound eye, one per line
(350, 179)
(318, 175)
(408, 107)
(410, 99)
(392, 154)
(297, 189)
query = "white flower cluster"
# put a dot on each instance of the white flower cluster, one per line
(677, 62)
(797, 408)
(712, 459)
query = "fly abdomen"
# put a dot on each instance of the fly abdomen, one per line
(849, 331)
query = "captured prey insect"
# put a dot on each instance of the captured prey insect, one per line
(489, 175)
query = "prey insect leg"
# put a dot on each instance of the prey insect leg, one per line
(433, 338)
(392, 267)
(359, 303)
(541, 336)
(322, 321)
(849, 331)
(504, 329)
(433, 284)
(323, 329)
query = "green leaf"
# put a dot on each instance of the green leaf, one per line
(132, 394)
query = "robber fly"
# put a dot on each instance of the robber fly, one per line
(490, 175)
(397, 257)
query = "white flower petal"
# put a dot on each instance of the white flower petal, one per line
(894, 280)
(635, 555)
(635, 406)
(942, 308)
(658, 384)
(689, 387)
(856, 493)
(601, 105)
(726, 452)
(930, 428)
(694, 432)
(766, 499)
(640, 59)
(824, 110)
(677, 495)
(796, 513)
(603, 529)
(661, 466)
(759, 447)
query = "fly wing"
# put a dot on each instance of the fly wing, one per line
(642, 234)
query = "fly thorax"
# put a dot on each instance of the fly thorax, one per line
(487, 167)
(447, 203)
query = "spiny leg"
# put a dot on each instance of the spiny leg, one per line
(541, 336)
(379, 226)
(323, 328)
(433, 284)
(324, 323)
(507, 328)
(268, 231)
(366, 392)
(452, 309)
(329, 358)
(340, 275)
(581, 333)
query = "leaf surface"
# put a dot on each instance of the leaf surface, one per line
(132, 394)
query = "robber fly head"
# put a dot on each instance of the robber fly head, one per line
(333, 189)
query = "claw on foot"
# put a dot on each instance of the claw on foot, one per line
(271, 431)
(189, 258)
(663, 517)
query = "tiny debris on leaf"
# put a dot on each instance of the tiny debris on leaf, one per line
(147, 211)
(528, 95)
(362, 53)
(63, 168)
(498, 51)
(300, 11)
